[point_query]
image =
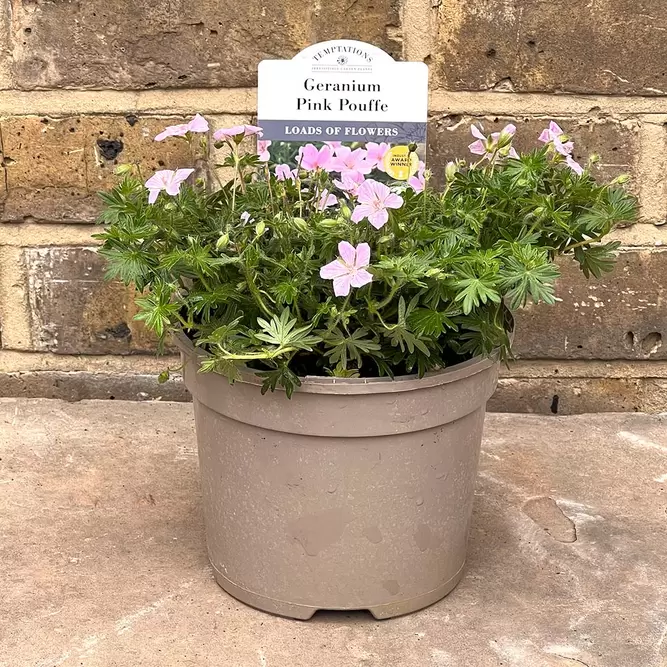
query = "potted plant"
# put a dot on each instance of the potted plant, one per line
(373, 316)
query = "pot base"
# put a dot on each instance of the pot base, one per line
(303, 612)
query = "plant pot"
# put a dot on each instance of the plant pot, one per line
(354, 494)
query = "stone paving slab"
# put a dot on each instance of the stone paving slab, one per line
(103, 561)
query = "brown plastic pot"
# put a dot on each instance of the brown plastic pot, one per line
(354, 494)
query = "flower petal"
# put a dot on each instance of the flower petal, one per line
(182, 174)
(554, 128)
(361, 278)
(347, 252)
(341, 285)
(198, 124)
(152, 196)
(476, 132)
(575, 166)
(477, 147)
(393, 201)
(361, 211)
(363, 256)
(509, 129)
(333, 270)
(545, 137)
(379, 218)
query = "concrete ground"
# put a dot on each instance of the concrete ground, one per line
(103, 562)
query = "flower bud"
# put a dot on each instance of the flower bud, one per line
(122, 169)
(450, 170)
(594, 158)
(222, 242)
(300, 224)
(623, 178)
(260, 228)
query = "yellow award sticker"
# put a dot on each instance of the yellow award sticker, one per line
(400, 162)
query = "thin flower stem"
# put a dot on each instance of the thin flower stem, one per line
(255, 292)
(256, 355)
(268, 183)
(582, 243)
(341, 312)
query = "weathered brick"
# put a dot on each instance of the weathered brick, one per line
(75, 311)
(615, 142)
(574, 396)
(608, 47)
(620, 316)
(56, 167)
(160, 44)
(84, 385)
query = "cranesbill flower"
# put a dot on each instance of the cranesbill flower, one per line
(554, 134)
(418, 181)
(167, 180)
(197, 124)
(310, 158)
(349, 270)
(283, 172)
(376, 153)
(326, 200)
(334, 145)
(263, 150)
(238, 132)
(497, 142)
(347, 159)
(350, 181)
(374, 199)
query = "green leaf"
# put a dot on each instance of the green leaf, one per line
(157, 310)
(475, 290)
(597, 259)
(430, 322)
(282, 376)
(347, 346)
(528, 274)
(280, 331)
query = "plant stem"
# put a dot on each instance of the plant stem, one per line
(255, 292)
(581, 243)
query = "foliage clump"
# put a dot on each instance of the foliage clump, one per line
(323, 265)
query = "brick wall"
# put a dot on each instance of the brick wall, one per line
(86, 85)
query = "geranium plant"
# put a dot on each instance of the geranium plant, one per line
(323, 265)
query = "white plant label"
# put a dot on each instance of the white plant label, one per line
(343, 90)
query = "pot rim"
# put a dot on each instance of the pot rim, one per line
(321, 384)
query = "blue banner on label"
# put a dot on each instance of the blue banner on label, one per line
(346, 131)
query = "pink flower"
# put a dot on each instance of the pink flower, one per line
(197, 124)
(376, 153)
(351, 160)
(310, 158)
(350, 269)
(374, 199)
(418, 182)
(237, 133)
(283, 172)
(263, 150)
(326, 200)
(167, 180)
(553, 134)
(575, 166)
(334, 145)
(350, 182)
(496, 142)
